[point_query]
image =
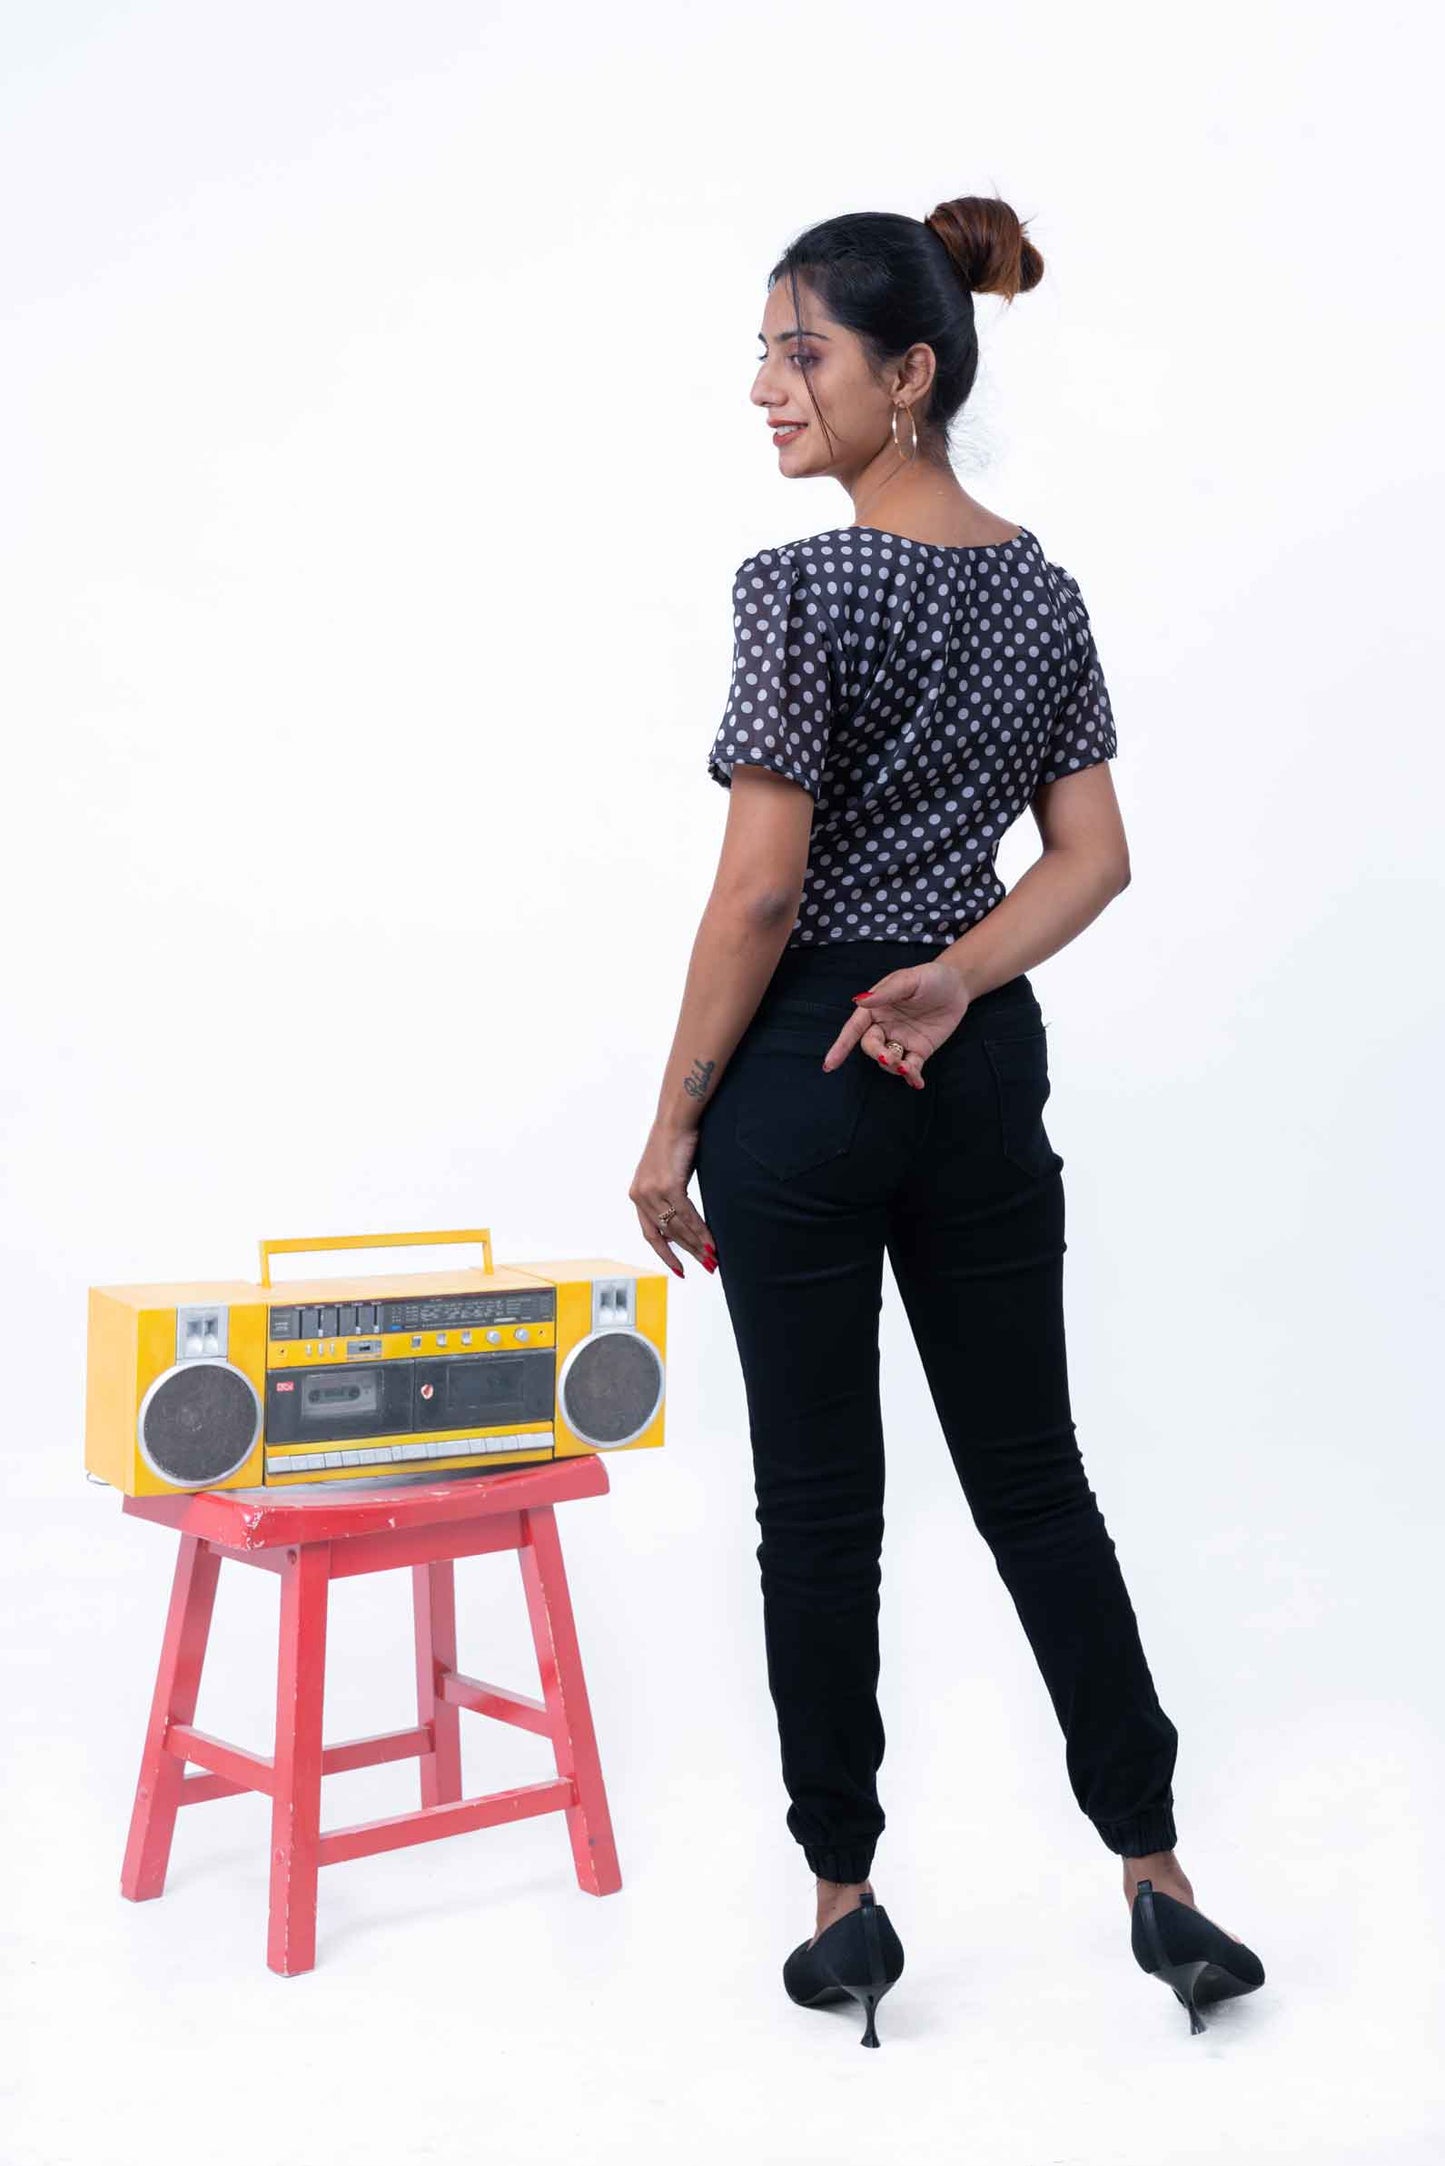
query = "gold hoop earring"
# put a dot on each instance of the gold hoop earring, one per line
(913, 425)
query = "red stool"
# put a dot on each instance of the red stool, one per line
(329, 1533)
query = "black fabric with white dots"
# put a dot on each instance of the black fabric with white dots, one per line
(920, 693)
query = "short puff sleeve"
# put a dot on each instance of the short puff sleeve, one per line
(779, 710)
(1083, 728)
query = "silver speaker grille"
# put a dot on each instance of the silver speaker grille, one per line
(611, 1388)
(198, 1422)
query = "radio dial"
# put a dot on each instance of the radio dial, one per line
(521, 1332)
(493, 1337)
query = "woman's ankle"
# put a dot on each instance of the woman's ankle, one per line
(1163, 1868)
(834, 1896)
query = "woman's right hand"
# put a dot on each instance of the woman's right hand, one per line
(917, 1008)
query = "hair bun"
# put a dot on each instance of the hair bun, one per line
(987, 245)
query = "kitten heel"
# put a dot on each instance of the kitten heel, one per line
(1192, 1955)
(859, 1957)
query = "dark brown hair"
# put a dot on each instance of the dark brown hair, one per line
(898, 282)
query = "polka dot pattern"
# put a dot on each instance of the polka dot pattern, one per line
(920, 693)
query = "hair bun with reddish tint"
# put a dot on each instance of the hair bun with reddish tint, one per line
(987, 245)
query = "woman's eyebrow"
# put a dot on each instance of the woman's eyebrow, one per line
(796, 332)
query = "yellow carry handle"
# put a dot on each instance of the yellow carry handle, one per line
(374, 1240)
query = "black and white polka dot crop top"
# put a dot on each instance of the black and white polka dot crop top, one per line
(920, 692)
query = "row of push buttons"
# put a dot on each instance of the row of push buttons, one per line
(374, 1349)
(393, 1454)
(492, 1338)
(339, 1322)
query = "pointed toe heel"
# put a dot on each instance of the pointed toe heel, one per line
(859, 1957)
(1191, 1954)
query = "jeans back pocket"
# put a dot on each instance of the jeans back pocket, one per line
(1021, 1077)
(792, 1115)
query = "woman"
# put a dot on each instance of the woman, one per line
(860, 1065)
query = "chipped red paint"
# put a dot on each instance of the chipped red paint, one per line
(310, 1541)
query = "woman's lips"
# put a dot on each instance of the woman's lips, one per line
(785, 436)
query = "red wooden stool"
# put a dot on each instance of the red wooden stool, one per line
(330, 1532)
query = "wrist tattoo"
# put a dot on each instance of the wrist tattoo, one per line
(697, 1084)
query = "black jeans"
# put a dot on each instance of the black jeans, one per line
(805, 1179)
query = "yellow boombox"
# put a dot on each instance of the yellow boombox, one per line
(234, 1386)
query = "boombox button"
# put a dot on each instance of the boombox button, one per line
(521, 1332)
(493, 1337)
(428, 1390)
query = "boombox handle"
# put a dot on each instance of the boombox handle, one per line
(374, 1240)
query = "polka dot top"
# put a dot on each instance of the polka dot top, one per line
(920, 692)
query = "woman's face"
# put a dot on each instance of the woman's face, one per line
(829, 361)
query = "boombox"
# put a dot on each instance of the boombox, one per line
(235, 1386)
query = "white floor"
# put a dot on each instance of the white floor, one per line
(469, 2001)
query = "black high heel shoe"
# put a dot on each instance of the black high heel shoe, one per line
(858, 1957)
(1189, 1952)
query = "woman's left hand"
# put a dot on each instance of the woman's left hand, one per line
(659, 1190)
(904, 1018)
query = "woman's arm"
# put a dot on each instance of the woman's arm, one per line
(1084, 865)
(740, 937)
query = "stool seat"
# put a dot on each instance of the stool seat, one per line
(310, 1535)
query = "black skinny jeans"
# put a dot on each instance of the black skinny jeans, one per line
(805, 1179)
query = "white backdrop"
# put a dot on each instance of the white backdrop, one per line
(378, 454)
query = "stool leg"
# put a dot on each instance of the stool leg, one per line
(177, 1688)
(559, 1659)
(434, 1600)
(296, 1805)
